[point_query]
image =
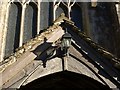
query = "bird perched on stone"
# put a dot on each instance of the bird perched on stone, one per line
(61, 19)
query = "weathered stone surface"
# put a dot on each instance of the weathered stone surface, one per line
(78, 63)
(52, 66)
(104, 26)
(17, 66)
(20, 67)
(27, 57)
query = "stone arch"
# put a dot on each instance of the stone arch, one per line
(30, 22)
(65, 79)
(13, 28)
(75, 14)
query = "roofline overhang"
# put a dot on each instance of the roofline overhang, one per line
(25, 55)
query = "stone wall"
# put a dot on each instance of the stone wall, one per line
(35, 16)
(104, 26)
(3, 10)
(22, 20)
(17, 18)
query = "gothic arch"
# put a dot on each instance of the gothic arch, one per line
(65, 79)
(30, 22)
(13, 30)
(75, 12)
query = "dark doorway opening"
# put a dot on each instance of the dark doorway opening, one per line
(65, 79)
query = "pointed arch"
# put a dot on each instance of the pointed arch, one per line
(65, 79)
(75, 13)
(13, 29)
(30, 22)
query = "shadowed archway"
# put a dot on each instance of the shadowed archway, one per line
(65, 79)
